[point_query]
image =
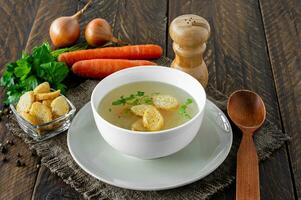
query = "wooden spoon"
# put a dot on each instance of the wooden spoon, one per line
(246, 109)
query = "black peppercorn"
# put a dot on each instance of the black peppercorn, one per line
(33, 153)
(3, 149)
(19, 155)
(18, 163)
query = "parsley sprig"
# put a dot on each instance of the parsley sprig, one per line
(134, 99)
(32, 69)
(140, 98)
(183, 108)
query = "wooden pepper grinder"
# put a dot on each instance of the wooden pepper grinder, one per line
(190, 34)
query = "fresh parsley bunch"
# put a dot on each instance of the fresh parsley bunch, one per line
(29, 71)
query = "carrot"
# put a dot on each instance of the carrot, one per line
(99, 68)
(132, 52)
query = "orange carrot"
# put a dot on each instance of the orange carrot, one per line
(132, 52)
(99, 68)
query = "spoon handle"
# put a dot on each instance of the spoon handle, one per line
(247, 172)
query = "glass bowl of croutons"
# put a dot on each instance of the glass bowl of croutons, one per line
(43, 113)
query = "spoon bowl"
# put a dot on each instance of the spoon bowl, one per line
(246, 109)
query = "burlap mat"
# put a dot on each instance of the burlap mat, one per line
(55, 156)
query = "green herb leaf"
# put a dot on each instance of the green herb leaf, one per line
(7, 79)
(134, 99)
(13, 94)
(182, 109)
(13, 98)
(61, 86)
(131, 97)
(188, 101)
(139, 93)
(23, 68)
(134, 102)
(30, 83)
(10, 67)
(41, 54)
(53, 72)
(119, 102)
(147, 100)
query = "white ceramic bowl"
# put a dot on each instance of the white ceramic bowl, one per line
(146, 145)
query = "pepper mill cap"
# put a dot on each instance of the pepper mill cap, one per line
(189, 30)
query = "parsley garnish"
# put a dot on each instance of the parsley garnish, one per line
(182, 109)
(134, 99)
(140, 94)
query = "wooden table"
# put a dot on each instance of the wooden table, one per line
(255, 44)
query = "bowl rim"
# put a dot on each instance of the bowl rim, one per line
(127, 131)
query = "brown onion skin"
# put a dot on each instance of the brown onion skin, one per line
(98, 31)
(64, 31)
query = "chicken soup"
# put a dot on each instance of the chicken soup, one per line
(147, 106)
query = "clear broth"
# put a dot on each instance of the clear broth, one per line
(121, 116)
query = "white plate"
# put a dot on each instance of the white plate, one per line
(202, 156)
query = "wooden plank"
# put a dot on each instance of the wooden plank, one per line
(236, 57)
(132, 21)
(282, 23)
(16, 182)
(16, 21)
(125, 26)
(49, 185)
(16, 18)
(47, 12)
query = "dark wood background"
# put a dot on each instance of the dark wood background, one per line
(254, 44)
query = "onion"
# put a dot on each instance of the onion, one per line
(98, 32)
(65, 31)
